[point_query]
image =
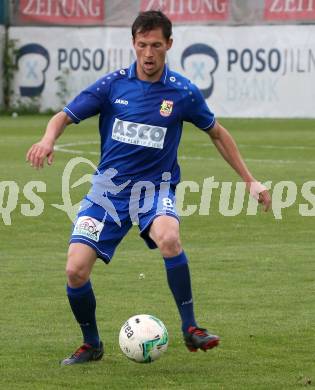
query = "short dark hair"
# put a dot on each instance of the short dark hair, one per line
(151, 20)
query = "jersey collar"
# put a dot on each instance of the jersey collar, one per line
(132, 74)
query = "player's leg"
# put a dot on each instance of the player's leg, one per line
(81, 259)
(164, 231)
(95, 235)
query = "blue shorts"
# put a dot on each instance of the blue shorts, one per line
(103, 227)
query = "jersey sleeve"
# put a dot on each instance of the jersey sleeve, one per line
(88, 103)
(196, 109)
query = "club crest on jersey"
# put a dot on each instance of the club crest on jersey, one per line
(166, 107)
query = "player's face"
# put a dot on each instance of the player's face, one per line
(151, 48)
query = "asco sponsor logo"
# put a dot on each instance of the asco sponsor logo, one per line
(139, 134)
(190, 10)
(289, 10)
(62, 12)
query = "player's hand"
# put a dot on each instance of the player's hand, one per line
(38, 153)
(260, 193)
(265, 199)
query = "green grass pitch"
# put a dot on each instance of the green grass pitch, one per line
(253, 276)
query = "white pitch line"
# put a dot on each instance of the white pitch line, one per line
(63, 148)
(199, 158)
(75, 151)
(296, 147)
(79, 143)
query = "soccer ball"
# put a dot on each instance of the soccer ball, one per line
(143, 338)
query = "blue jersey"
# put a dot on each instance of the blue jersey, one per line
(140, 123)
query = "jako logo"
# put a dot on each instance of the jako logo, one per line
(201, 48)
(33, 68)
(121, 101)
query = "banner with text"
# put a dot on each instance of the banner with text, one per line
(262, 71)
(190, 11)
(52, 71)
(56, 12)
(123, 12)
(252, 71)
(289, 10)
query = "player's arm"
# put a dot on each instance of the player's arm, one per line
(227, 147)
(43, 149)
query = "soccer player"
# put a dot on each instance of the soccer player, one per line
(141, 111)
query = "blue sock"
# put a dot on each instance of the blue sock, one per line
(178, 278)
(83, 305)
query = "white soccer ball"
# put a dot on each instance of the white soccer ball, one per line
(143, 338)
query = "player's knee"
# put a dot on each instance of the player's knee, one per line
(169, 243)
(76, 275)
